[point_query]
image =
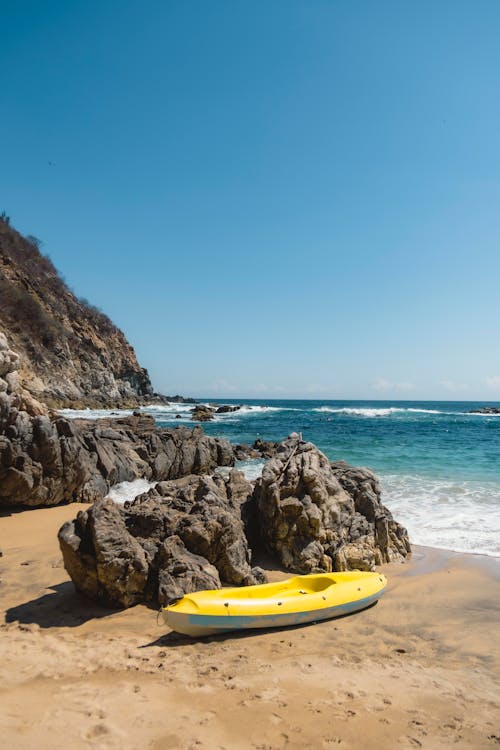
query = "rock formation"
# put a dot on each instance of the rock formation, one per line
(226, 409)
(265, 448)
(181, 536)
(316, 516)
(72, 354)
(485, 410)
(194, 532)
(46, 459)
(202, 413)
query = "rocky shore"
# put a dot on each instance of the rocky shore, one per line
(196, 528)
(46, 459)
(200, 531)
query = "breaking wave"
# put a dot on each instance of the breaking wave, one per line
(457, 515)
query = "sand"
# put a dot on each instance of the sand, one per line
(420, 669)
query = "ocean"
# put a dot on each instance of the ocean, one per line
(439, 465)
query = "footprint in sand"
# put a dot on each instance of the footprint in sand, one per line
(98, 730)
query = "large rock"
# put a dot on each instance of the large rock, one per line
(202, 413)
(227, 409)
(194, 532)
(181, 536)
(46, 459)
(316, 517)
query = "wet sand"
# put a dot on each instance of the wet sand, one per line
(419, 669)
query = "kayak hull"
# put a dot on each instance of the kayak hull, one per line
(289, 603)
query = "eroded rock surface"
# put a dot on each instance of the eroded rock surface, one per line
(181, 536)
(46, 459)
(202, 413)
(316, 516)
(71, 352)
(193, 533)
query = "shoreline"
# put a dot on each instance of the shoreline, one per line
(419, 669)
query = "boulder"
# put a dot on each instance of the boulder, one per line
(316, 517)
(180, 572)
(181, 536)
(46, 459)
(202, 413)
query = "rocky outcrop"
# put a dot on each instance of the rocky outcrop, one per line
(318, 517)
(226, 409)
(182, 536)
(180, 400)
(46, 459)
(485, 410)
(71, 353)
(259, 449)
(50, 461)
(202, 413)
(194, 532)
(265, 448)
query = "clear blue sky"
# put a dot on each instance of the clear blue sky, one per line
(269, 198)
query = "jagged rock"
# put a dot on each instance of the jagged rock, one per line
(265, 448)
(373, 525)
(182, 535)
(46, 459)
(181, 572)
(315, 522)
(485, 410)
(226, 409)
(109, 564)
(61, 460)
(202, 413)
(243, 452)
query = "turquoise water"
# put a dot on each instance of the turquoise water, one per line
(435, 439)
(439, 465)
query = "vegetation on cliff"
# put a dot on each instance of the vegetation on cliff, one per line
(71, 353)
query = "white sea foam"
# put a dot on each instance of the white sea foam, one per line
(251, 467)
(372, 411)
(95, 413)
(427, 411)
(478, 414)
(357, 411)
(167, 408)
(251, 409)
(124, 491)
(463, 516)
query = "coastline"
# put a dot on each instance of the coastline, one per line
(420, 669)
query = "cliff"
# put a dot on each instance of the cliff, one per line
(71, 353)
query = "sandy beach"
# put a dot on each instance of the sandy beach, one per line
(420, 669)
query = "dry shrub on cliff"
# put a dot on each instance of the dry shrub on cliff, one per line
(66, 342)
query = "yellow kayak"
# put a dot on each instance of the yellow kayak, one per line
(295, 601)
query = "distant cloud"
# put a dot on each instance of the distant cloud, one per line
(381, 384)
(452, 386)
(223, 386)
(493, 382)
